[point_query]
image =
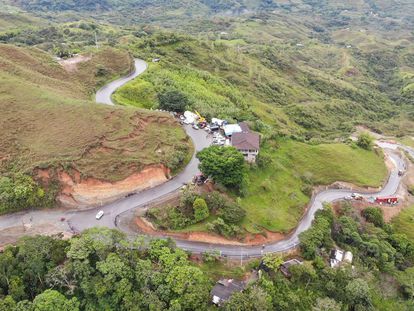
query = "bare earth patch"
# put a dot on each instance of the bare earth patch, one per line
(71, 64)
(77, 192)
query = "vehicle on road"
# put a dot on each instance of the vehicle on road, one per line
(357, 196)
(99, 215)
(386, 200)
(195, 126)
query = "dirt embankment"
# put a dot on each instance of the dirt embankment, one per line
(77, 192)
(71, 64)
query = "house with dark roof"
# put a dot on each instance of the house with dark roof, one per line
(247, 142)
(224, 288)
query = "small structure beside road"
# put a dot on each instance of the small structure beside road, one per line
(284, 267)
(224, 288)
(339, 257)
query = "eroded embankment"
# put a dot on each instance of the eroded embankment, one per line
(92, 192)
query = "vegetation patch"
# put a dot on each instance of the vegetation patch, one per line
(60, 128)
(280, 187)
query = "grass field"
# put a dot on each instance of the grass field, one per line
(404, 222)
(47, 119)
(276, 197)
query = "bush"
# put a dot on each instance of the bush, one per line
(173, 100)
(215, 200)
(374, 215)
(220, 227)
(200, 208)
(365, 141)
(232, 213)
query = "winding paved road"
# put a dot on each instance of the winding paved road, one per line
(81, 220)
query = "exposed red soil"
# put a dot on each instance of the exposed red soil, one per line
(78, 192)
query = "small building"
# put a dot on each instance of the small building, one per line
(248, 144)
(223, 290)
(284, 267)
(339, 257)
(230, 129)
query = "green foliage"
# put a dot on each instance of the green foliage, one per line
(374, 215)
(224, 164)
(22, 192)
(253, 299)
(272, 261)
(173, 100)
(365, 141)
(232, 213)
(221, 227)
(200, 208)
(50, 299)
(99, 270)
(319, 235)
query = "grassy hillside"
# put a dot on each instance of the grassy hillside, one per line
(404, 222)
(49, 121)
(278, 192)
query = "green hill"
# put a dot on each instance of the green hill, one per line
(48, 120)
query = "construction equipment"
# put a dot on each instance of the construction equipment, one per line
(202, 122)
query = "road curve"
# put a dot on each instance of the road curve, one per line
(104, 94)
(80, 220)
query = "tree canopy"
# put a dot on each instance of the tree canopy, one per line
(224, 164)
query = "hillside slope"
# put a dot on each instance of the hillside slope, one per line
(50, 125)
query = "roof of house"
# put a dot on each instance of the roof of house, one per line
(246, 141)
(231, 129)
(225, 288)
(291, 262)
(244, 127)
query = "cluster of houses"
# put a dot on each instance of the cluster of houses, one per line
(237, 135)
(224, 288)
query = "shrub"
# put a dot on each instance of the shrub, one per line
(232, 213)
(365, 141)
(200, 208)
(173, 100)
(220, 227)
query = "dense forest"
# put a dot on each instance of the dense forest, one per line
(103, 270)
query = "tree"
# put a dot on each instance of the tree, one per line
(50, 299)
(200, 208)
(365, 141)
(253, 299)
(189, 286)
(357, 294)
(326, 304)
(374, 215)
(173, 100)
(224, 164)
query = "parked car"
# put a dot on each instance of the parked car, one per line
(99, 215)
(195, 126)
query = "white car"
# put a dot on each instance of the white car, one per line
(99, 215)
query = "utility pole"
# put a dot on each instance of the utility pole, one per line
(96, 40)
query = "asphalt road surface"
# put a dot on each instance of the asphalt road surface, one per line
(103, 96)
(80, 220)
